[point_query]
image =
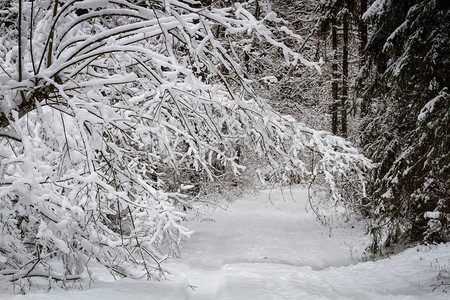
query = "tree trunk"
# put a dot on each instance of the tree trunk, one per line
(344, 96)
(362, 30)
(334, 84)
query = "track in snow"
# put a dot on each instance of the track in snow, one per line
(268, 246)
(257, 242)
(260, 250)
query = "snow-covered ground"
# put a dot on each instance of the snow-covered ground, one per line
(270, 247)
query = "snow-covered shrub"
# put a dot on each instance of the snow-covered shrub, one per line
(107, 108)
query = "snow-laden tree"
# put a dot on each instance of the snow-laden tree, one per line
(406, 124)
(104, 102)
(291, 89)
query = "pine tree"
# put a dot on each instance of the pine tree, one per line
(406, 124)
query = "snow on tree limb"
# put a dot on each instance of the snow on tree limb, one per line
(108, 103)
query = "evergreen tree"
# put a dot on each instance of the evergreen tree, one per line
(406, 120)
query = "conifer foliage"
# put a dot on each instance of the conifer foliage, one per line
(105, 103)
(406, 124)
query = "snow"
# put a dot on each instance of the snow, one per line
(429, 107)
(432, 215)
(375, 9)
(268, 245)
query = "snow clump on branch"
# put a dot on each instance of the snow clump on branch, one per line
(100, 99)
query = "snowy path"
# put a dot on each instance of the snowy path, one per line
(256, 250)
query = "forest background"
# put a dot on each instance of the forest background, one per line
(119, 116)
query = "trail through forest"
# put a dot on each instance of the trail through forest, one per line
(268, 246)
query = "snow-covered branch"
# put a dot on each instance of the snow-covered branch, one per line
(113, 99)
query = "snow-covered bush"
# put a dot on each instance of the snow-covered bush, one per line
(103, 103)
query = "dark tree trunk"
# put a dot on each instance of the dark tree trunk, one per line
(334, 84)
(344, 97)
(362, 30)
